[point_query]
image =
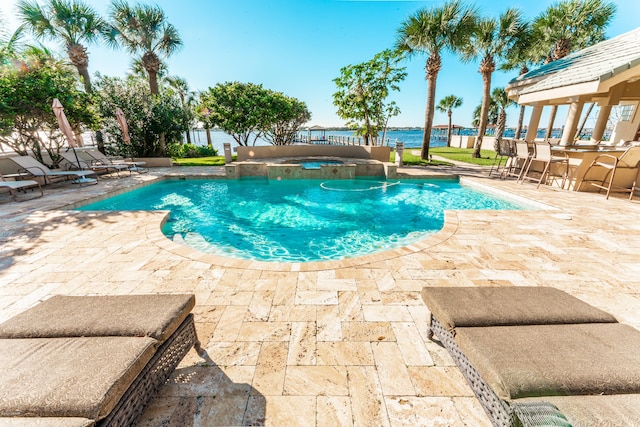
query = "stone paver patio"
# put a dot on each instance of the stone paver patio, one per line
(336, 343)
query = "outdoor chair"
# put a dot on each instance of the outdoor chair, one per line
(76, 161)
(536, 356)
(100, 158)
(33, 167)
(91, 360)
(616, 175)
(504, 150)
(15, 186)
(519, 162)
(543, 155)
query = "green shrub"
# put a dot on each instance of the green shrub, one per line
(190, 151)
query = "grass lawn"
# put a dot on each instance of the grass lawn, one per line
(201, 161)
(410, 159)
(464, 155)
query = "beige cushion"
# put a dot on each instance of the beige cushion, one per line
(547, 360)
(494, 306)
(156, 316)
(597, 411)
(46, 422)
(69, 377)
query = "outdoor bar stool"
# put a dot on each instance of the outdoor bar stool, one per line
(543, 155)
(503, 150)
(519, 161)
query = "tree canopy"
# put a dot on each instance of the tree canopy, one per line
(247, 111)
(27, 121)
(362, 92)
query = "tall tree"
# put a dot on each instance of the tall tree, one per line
(521, 55)
(491, 40)
(71, 21)
(187, 99)
(446, 105)
(430, 32)
(362, 92)
(501, 100)
(568, 26)
(144, 31)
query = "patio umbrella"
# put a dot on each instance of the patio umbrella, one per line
(122, 122)
(65, 128)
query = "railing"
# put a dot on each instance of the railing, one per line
(339, 140)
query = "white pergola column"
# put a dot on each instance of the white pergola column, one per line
(601, 123)
(571, 125)
(534, 121)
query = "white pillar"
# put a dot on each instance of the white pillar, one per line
(534, 121)
(601, 123)
(571, 124)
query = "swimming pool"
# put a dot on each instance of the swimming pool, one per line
(301, 220)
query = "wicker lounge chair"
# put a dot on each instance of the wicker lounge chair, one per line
(33, 167)
(14, 186)
(538, 356)
(95, 359)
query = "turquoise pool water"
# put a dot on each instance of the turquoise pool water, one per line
(301, 220)
(317, 164)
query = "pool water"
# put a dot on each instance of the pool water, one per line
(301, 220)
(316, 164)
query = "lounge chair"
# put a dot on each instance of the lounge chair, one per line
(30, 165)
(616, 175)
(80, 162)
(537, 356)
(102, 159)
(89, 360)
(15, 186)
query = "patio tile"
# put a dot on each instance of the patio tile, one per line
(393, 374)
(333, 411)
(315, 381)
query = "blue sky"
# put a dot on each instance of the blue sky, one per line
(299, 46)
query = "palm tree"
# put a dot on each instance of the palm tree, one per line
(568, 26)
(430, 32)
(446, 105)
(187, 99)
(492, 40)
(71, 21)
(521, 55)
(500, 98)
(143, 30)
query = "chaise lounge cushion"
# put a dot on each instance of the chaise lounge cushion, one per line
(456, 307)
(69, 377)
(549, 360)
(156, 316)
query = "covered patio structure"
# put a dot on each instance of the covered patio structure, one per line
(606, 74)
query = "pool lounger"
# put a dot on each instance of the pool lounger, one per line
(537, 356)
(91, 360)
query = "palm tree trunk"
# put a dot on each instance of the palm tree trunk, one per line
(86, 78)
(153, 87)
(428, 115)
(449, 113)
(552, 118)
(209, 144)
(484, 113)
(584, 120)
(520, 121)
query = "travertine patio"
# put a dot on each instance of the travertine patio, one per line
(340, 343)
